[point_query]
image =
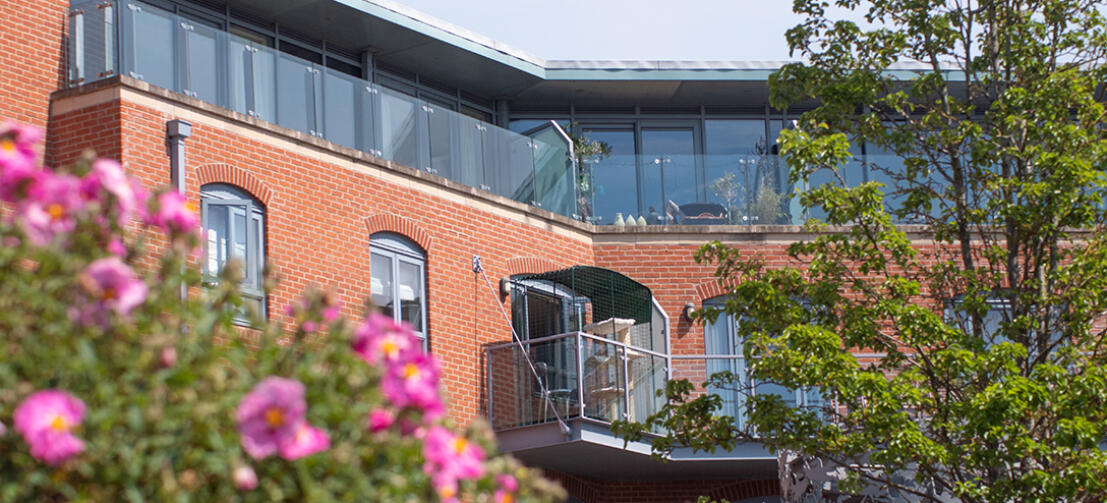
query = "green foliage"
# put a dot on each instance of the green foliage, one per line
(161, 386)
(987, 380)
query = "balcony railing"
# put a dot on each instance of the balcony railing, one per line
(579, 376)
(698, 369)
(184, 55)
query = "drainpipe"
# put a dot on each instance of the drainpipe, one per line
(176, 131)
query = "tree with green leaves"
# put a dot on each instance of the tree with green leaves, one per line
(983, 325)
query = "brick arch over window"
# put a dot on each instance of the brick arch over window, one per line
(523, 265)
(712, 288)
(388, 222)
(225, 173)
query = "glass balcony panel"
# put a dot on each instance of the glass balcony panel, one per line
(519, 397)
(612, 182)
(340, 98)
(297, 82)
(264, 85)
(240, 76)
(471, 156)
(367, 106)
(153, 46)
(203, 59)
(92, 42)
(646, 374)
(554, 177)
(603, 380)
(509, 164)
(853, 173)
(615, 188)
(397, 127)
(439, 140)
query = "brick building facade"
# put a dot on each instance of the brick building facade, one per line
(323, 201)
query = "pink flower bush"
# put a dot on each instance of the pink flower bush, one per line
(174, 215)
(245, 479)
(51, 207)
(414, 384)
(308, 440)
(271, 420)
(17, 158)
(506, 492)
(108, 175)
(380, 420)
(379, 339)
(450, 458)
(114, 285)
(45, 420)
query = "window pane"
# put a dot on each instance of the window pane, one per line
(411, 295)
(614, 180)
(216, 234)
(380, 270)
(258, 255)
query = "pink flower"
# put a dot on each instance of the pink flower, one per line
(506, 492)
(17, 158)
(270, 416)
(379, 339)
(114, 285)
(332, 312)
(450, 458)
(308, 440)
(244, 478)
(167, 357)
(45, 420)
(380, 420)
(507, 482)
(52, 202)
(174, 214)
(108, 175)
(309, 326)
(414, 384)
(117, 248)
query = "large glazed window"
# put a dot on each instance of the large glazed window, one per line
(234, 228)
(721, 338)
(397, 268)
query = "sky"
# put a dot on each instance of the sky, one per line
(746, 30)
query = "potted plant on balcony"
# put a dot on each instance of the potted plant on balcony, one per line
(586, 152)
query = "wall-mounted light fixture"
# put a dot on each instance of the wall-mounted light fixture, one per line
(686, 313)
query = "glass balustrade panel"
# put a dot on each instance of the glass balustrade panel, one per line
(397, 127)
(152, 48)
(603, 380)
(470, 169)
(341, 94)
(554, 177)
(296, 85)
(92, 42)
(440, 126)
(203, 59)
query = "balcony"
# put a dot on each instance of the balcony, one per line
(184, 55)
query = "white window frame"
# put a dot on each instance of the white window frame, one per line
(240, 202)
(399, 249)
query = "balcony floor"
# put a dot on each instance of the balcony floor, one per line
(591, 450)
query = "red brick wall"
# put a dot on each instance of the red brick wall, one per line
(31, 40)
(318, 220)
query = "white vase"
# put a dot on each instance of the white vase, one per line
(630, 220)
(641, 220)
(619, 220)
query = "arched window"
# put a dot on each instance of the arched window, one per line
(397, 267)
(234, 227)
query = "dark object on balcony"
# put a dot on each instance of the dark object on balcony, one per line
(703, 214)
